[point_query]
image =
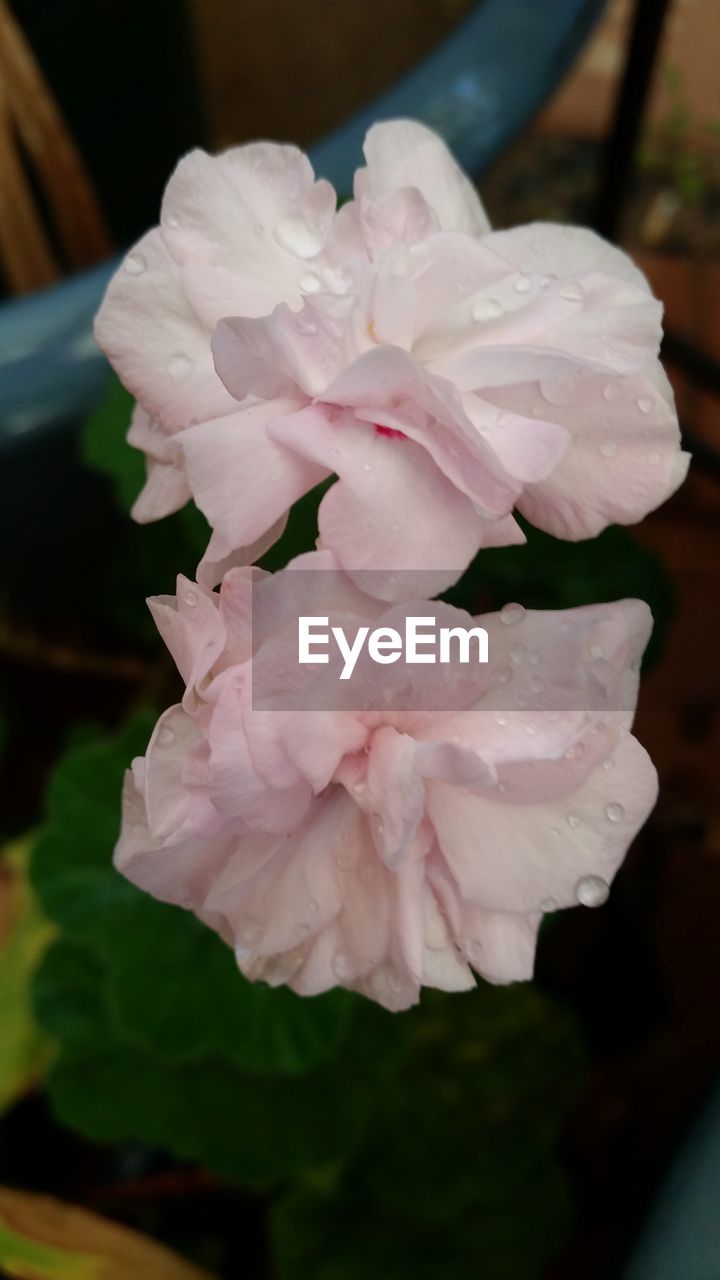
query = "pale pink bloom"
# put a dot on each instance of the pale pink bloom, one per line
(385, 849)
(446, 374)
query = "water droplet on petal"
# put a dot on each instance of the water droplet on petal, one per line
(501, 720)
(610, 391)
(523, 285)
(309, 283)
(571, 292)
(559, 390)
(592, 891)
(548, 904)
(486, 309)
(172, 222)
(596, 652)
(299, 238)
(614, 812)
(573, 820)
(249, 931)
(608, 450)
(135, 264)
(179, 367)
(341, 966)
(644, 403)
(503, 675)
(166, 736)
(517, 654)
(511, 614)
(191, 598)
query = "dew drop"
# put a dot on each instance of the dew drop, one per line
(377, 826)
(517, 654)
(503, 675)
(571, 292)
(486, 309)
(249, 931)
(511, 614)
(341, 966)
(191, 598)
(548, 904)
(610, 391)
(608, 450)
(309, 283)
(614, 812)
(172, 222)
(522, 285)
(644, 403)
(135, 264)
(179, 367)
(596, 652)
(501, 720)
(531, 729)
(573, 820)
(166, 736)
(559, 390)
(592, 891)
(536, 684)
(297, 237)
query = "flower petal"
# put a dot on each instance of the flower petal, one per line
(404, 153)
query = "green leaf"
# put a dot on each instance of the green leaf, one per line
(196, 1003)
(104, 443)
(325, 1237)
(458, 1176)
(256, 1129)
(46, 1239)
(24, 936)
(477, 1104)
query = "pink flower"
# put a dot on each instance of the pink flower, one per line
(446, 374)
(383, 847)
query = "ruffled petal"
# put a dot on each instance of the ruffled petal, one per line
(405, 153)
(516, 857)
(155, 341)
(244, 226)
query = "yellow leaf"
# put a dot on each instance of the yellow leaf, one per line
(24, 935)
(45, 1239)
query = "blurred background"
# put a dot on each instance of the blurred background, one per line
(564, 1130)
